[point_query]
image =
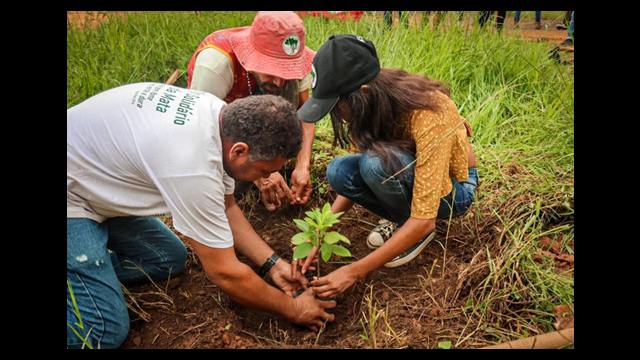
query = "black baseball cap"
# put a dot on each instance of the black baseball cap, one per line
(341, 65)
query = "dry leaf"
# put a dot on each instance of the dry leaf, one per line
(564, 316)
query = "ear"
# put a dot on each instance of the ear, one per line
(365, 88)
(238, 150)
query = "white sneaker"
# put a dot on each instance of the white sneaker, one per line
(381, 233)
(410, 254)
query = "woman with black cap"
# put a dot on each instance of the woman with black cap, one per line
(414, 163)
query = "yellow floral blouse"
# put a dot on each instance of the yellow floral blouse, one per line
(441, 153)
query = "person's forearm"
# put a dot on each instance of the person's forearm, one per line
(303, 160)
(246, 288)
(406, 236)
(246, 240)
(341, 203)
(471, 158)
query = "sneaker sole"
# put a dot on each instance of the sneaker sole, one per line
(412, 255)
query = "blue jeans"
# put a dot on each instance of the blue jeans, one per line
(95, 273)
(359, 178)
(516, 18)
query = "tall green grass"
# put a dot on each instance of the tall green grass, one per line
(519, 102)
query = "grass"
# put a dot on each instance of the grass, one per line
(376, 329)
(78, 327)
(519, 102)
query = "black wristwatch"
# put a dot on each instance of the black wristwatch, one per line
(264, 269)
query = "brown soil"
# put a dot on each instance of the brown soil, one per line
(419, 304)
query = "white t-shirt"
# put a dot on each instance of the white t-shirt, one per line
(147, 149)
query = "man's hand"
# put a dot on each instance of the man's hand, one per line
(337, 282)
(311, 312)
(274, 191)
(286, 278)
(300, 185)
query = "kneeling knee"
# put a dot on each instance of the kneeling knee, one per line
(334, 176)
(114, 332)
(178, 259)
(120, 331)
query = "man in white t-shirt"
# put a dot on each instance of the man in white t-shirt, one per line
(141, 150)
(268, 57)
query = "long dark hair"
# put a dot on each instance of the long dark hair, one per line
(378, 120)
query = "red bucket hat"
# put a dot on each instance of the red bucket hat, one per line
(274, 44)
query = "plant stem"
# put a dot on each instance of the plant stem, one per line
(320, 332)
(319, 245)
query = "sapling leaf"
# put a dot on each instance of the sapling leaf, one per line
(326, 250)
(332, 237)
(344, 239)
(301, 224)
(331, 222)
(336, 216)
(326, 213)
(317, 222)
(341, 251)
(311, 222)
(301, 251)
(300, 238)
(326, 209)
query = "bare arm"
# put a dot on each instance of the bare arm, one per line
(300, 177)
(241, 283)
(406, 236)
(471, 155)
(246, 240)
(303, 160)
(341, 204)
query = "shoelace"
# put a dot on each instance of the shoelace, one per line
(387, 229)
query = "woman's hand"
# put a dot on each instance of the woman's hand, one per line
(336, 282)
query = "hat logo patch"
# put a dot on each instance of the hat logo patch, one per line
(314, 77)
(291, 45)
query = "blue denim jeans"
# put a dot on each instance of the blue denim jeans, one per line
(359, 178)
(100, 257)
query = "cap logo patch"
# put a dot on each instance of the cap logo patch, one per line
(291, 45)
(314, 77)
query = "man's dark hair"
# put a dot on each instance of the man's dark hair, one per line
(267, 123)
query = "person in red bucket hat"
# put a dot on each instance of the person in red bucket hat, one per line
(268, 57)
